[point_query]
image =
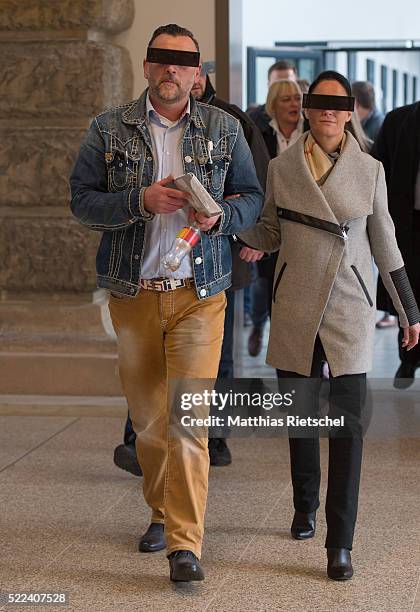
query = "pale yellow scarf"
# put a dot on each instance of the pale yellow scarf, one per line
(320, 163)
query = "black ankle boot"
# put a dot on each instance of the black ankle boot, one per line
(339, 564)
(303, 525)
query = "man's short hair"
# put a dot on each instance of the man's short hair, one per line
(282, 65)
(173, 30)
(364, 93)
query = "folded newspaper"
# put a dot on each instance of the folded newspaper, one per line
(201, 200)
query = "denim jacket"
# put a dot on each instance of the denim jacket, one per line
(115, 166)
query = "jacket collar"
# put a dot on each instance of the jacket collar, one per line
(136, 113)
(340, 198)
(209, 92)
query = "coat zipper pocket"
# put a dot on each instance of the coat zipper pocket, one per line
(362, 284)
(327, 226)
(278, 280)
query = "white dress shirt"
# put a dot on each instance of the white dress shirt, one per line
(162, 229)
(282, 142)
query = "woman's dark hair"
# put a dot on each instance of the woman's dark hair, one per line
(331, 75)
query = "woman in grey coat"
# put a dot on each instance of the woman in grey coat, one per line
(326, 213)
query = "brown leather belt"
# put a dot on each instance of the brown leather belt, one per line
(165, 284)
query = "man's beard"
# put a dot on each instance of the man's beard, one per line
(168, 94)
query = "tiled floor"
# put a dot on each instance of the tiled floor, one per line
(70, 520)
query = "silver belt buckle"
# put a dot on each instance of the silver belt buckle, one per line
(173, 283)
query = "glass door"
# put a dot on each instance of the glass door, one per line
(308, 64)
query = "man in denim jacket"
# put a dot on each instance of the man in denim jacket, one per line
(169, 325)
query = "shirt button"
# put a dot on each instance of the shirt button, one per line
(203, 292)
(188, 159)
(136, 256)
(132, 290)
(149, 158)
(198, 260)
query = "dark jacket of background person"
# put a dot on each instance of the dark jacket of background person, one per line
(252, 134)
(270, 137)
(261, 118)
(241, 271)
(398, 148)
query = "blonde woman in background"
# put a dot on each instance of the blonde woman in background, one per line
(284, 107)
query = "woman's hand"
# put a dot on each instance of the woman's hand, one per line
(411, 336)
(200, 220)
(250, 255)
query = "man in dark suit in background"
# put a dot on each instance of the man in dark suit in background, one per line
(398, 148)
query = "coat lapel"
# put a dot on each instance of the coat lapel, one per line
(342, 188)
(340, 198)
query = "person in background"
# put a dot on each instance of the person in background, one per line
(286, 125)
(204, 91)
(279, 71)
(371, 120)
(260, 300)
(397, 146)
(365, 106)
(326, 212)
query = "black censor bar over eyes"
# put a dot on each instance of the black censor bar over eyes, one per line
(340, 103)
(173, 57)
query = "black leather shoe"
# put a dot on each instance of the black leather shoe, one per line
(339, 564)
(184, 566)
(153, 540)
(303, 525)
(404, 376)
(125, 457)
(219, 452)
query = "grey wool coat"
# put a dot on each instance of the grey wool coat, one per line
(326, 236)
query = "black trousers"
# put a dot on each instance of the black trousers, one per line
(346, 397)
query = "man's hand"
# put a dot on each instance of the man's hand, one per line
(200, 220)
(250, 255)
(159, 199)
(411, 336)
